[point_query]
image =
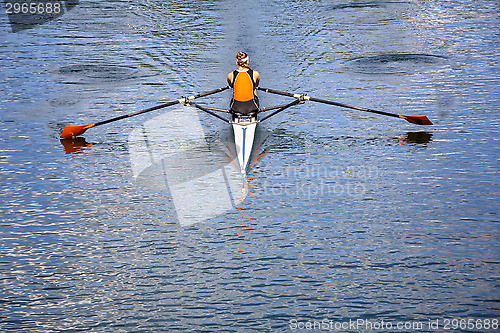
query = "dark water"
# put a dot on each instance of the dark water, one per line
(347, 216)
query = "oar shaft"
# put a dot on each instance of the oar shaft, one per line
(137, 113)
(277, 92)
(74, 131)
(307, 98)
(211, 92)
(352, 107)
(179, 101)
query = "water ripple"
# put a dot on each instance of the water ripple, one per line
(94, 73)
(400, 63)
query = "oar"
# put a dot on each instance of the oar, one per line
(73, 131)
(419, 120)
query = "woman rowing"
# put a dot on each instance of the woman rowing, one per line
(244, 82)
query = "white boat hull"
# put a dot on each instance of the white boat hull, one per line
(244, 134)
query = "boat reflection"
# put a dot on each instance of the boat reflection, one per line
(169, 154)
(75, 145)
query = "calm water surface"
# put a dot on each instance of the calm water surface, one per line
(345, 215)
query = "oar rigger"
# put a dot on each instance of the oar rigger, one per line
(302, 98)
(186, 100)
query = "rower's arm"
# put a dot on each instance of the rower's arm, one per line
(230, 79)
(256, 78)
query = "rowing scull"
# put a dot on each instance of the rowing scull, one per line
(244, 135)
(243, 125)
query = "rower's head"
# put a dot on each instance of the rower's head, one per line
(242, 60)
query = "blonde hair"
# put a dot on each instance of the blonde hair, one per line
(242, 60)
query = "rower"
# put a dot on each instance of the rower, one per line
(244, 82)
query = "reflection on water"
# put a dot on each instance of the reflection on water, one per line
(75, 145)
(417, 138)
(169, 154)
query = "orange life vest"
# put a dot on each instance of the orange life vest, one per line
(244, 98)
(243, 85)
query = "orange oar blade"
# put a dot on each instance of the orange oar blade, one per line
(419, 120)
(73, 131)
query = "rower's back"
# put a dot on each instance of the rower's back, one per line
(245, 99)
